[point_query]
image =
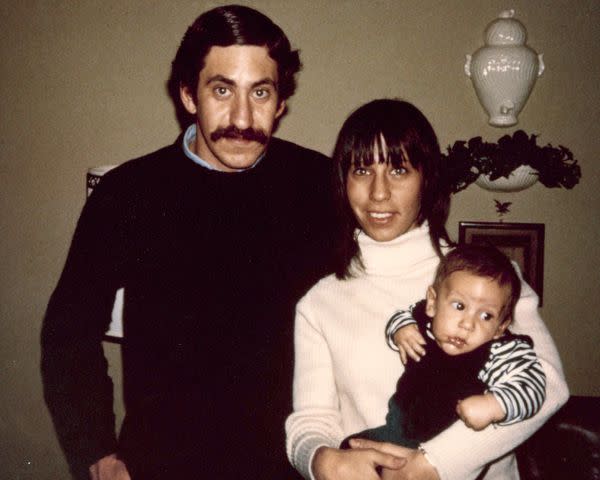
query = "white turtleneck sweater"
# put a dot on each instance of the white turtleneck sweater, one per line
(345, 373)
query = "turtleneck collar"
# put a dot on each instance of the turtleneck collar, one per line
(399, 254)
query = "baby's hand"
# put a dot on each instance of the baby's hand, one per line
(410, 343)
(478, 411)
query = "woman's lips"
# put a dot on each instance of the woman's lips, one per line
(380, 217)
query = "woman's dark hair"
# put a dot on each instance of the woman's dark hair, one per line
(233, 25)
(409, 138)
(482, 261)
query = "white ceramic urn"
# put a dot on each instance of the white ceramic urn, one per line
(504, 71)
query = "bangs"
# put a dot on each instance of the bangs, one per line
(376, 148)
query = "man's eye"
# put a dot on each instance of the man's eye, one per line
(261, 93)
(458, 306)
(221, 91)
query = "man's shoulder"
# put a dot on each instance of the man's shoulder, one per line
(292, 151)
(308, 168)
(156, 164)
(142, 178)
(155, 160)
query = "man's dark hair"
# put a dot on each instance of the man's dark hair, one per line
(482, 261)
(409, 138)
(233, 25)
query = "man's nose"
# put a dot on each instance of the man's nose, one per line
(241, 112)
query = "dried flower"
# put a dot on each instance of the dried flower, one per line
(466, 160)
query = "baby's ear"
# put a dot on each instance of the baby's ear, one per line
(430, 305)
(502, 328)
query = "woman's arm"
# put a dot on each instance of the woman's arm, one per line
(460, 453)
(316, 420)
(314, 430)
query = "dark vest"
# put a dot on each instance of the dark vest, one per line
(428, 391)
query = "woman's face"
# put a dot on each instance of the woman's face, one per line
(385, 200)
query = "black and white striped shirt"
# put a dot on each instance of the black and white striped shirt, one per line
(512, 371)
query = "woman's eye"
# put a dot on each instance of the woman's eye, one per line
(360, 171)
(398, 171)
(458, 306)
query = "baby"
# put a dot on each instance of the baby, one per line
(465, 363)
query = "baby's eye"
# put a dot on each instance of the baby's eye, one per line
(458, 306)
(486, 316)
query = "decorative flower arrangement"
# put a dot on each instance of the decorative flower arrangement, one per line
(554, 167)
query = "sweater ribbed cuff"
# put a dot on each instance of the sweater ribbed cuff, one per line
(303, 452)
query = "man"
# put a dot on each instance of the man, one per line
(214, 240)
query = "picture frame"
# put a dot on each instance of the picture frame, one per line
(521, 242)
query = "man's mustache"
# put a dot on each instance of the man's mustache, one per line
(232, 131)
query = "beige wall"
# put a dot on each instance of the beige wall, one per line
(83, 84)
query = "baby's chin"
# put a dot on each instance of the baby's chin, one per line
(454, 346)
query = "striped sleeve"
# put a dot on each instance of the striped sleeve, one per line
(515, 377)
(399, 319)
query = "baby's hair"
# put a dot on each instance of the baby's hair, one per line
(482, 261)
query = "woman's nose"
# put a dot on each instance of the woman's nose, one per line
(380, 188)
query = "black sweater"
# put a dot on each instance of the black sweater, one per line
(212, 264)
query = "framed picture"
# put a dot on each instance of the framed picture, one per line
(521, 242)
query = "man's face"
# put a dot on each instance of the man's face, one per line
(237, 106)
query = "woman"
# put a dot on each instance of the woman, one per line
(394, 207)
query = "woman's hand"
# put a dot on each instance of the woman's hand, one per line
(356, 464)
(417, 467)
(409, 342)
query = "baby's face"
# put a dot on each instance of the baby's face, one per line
(467, 312)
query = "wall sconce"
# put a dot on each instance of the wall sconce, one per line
(504, 71)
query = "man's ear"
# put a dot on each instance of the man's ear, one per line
(430, 305)
(187, 99)
(280, 109)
